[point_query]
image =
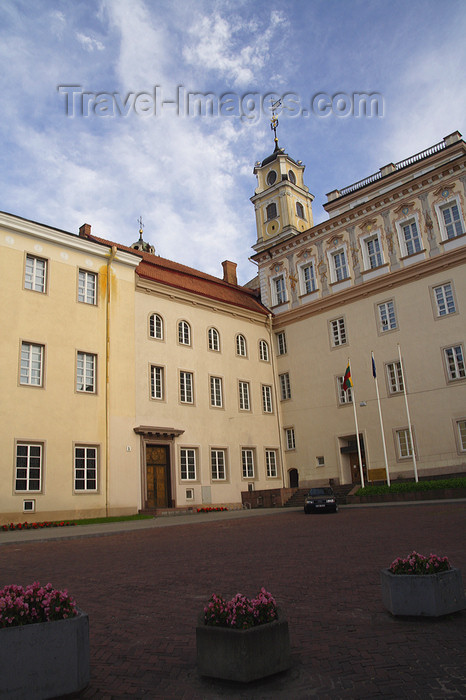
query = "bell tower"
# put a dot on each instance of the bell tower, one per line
(282, 202)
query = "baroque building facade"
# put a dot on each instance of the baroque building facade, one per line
(132, 382)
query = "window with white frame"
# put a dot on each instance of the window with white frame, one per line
(320, 461)
(247, 461)
(271, 463)
(87, 287)
(411, 242)
(395, 377)
(281, 343)
(32, 363)
(184, 333)
(339, 269)
(372, 252)
(461, 427)
(241, 347)
(35, 274)
(279, 290)
(451, 220)
(267, 398)
(216, 392)
(188, 463)
(454, 358)
(186, 387)
(345, 396)
(244, 402)
(218, 465)
(263, 350)
(290, 439)
(214, 339)
(307, 276)
(86, 366)
(285, 387)
(85, 468)
(156, 382)
(156, 326)
(271, 211)
(404, 445)
(28, 467)
(338, 332)
(444, 299)
(387, 316)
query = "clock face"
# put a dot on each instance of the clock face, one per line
(271, 177)
(272, 228)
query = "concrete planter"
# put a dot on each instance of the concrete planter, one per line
(44, 660)
(431, 595)
(243, 655)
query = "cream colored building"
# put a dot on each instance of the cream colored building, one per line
(384, 275)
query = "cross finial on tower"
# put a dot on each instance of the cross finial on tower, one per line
(141, 226)
(274, 120)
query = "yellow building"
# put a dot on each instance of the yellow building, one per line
(384, 275)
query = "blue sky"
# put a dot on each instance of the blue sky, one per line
(189, 176)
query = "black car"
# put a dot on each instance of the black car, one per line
(321, 498)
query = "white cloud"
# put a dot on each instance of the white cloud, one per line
(89, 43)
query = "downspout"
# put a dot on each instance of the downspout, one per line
(113, 252)
(277, 403)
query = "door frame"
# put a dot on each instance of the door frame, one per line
(152, 435)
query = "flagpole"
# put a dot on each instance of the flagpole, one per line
(374, 373)
(357, 427)
(407, 414)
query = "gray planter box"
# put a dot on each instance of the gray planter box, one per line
(243, 655)
(44, 660)
(431, 596)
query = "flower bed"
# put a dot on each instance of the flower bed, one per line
(211, 510)
(35, 526)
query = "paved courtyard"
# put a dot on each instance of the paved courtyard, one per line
(144, 588)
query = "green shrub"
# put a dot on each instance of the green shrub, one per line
(409, 486)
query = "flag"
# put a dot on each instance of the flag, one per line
(374, 373)
(347, 381)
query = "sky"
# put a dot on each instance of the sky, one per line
(102, 120)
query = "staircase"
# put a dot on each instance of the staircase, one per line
(297, 499)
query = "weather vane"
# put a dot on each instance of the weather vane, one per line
(141, 226)
(274, 120)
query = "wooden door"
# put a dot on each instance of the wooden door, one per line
(157, 466)
(355, 471)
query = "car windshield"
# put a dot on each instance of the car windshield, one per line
(321, 492)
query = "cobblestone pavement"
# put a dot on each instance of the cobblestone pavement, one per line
(144, 588)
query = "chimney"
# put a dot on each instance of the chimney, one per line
(229, 272)
(85, 231)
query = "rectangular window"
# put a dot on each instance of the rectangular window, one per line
(308, 278)
(28, 475)
(244, 403)
(395, 377)
(320, 461)
(285, 388)
(411, 238)
(156, 382)
(373, 252)
(444, 299)
(454, 358)
(338, 332)
(280, 290)
(405, 448)
(345, 396)
(387, 316)
(340, 267)
(86, 366)
(35, 275)
(266, 398)
(216, 394)
(290, 439)
(85, 468)
(271, 463)
(188, 463)
(452, 220)
(87, 287)
(247, 459)
(217, 464)
(32, 360)
(186, 387)
(281, 343)
(462, 434)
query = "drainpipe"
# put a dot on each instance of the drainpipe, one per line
(113, 252)
(277, 403)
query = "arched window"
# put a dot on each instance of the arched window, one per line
(214, 339)
(241, 345)
(271, 211)
(184, 333)
(292, 177)
(263, 350)
(156, 326)
(299, 210)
